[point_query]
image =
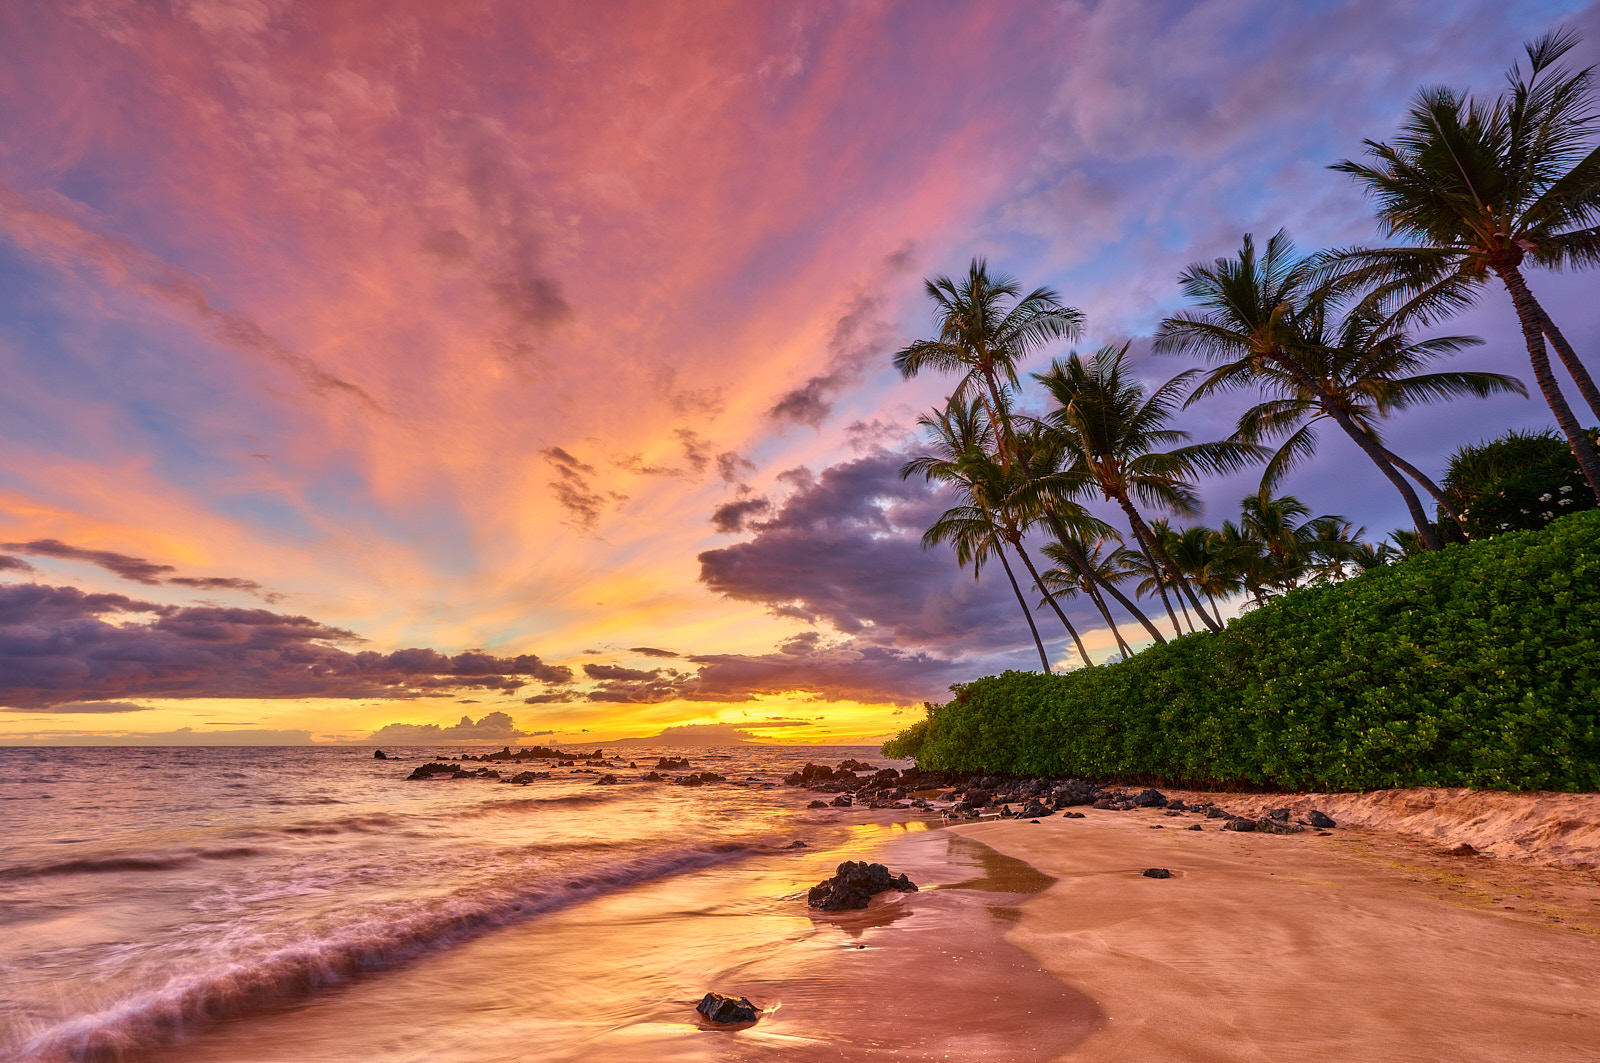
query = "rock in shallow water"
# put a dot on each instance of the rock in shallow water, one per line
(855, 884)
(719, 1008)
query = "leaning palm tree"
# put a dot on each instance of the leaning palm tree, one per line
(1299, 545)
(1113, 429)
(1082, 566)
(1489, 188)
(983, 524)
(1265, 323)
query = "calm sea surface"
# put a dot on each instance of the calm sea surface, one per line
(147, 895)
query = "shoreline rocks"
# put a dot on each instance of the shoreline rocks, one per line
(854, 885)
(719, 1008)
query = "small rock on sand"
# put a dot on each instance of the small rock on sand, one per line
(719, 1008)
(1158, 872)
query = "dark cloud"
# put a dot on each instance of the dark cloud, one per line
(861, 336)
(700, 402)
(731, 466)
(651, 651)
(870, 435)
(551, 698)
(614, 671)
(14, 564)
(494, 727)
(59, 645)
(136, 569)
(696, 449)
(732, 517)
(97, 707)
(845, 550)
(573, 489)
(183, 736)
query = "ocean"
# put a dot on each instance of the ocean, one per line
(148, 895)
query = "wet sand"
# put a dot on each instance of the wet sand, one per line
(1363, 945)
(918, 976)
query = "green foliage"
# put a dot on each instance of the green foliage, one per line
(1478, 666)
(1517, 482)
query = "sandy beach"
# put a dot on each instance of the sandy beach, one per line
(1366, 944)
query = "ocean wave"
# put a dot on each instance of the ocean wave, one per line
(90, 865)
(529, 804)
(282, 973)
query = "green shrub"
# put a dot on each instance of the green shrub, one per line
(1475, 666)
(1520, 481)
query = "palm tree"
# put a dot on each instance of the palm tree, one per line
(1112, 429)
(1362, 363)
(1293, 539)
(1267, 323)
(1488, 189)
(986, 327)
(982, 525)
(1069, 577)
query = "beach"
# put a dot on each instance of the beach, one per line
(337, 911)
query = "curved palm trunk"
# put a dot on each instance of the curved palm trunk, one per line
(1093, 591)
(1153, 546)
(1037, 582)
(1187, 619)
(1427, 485)
(1026, 612)
(1569, 358)
(1532, 318)
(1370, 447)
(1081, 561)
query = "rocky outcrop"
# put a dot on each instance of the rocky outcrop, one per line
(378, 754)
(854, 885)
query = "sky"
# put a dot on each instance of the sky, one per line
(400, 371)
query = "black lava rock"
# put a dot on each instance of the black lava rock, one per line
(1240, 823)
(719, 1008)
(1150, 799)
(1037, 810)
(1196, 827)
(1073, 815)
(854, 885)
(818, 804)
(1217, 813)
(1320, 820)
(378, 754)
(606, 780)
(1279, 814)
(1268, 825)
(1158, 872)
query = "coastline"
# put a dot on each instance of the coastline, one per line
(1028, 941)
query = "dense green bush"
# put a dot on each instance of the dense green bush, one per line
(1475, 666)
(1520, 481)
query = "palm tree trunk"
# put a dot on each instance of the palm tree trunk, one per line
(1037, 582)
(1027, 613)
(1093, 591)
(1153, 546)
(1532, 318)
(1095, 579)
(1187, 619)
(1427, 485)
(1569, 358)
(1370, 447)
(1161, 584)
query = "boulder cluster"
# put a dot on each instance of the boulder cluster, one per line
(858, 784)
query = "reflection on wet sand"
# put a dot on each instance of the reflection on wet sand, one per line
(923, 975)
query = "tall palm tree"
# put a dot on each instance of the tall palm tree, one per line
(1113, 428)
(1263, 319)
(982, 525)
(1296, 542)
(1488, 189)
(986, 327)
